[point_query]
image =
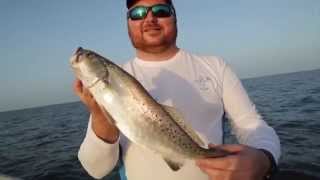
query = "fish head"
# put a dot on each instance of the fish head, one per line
(89, 66)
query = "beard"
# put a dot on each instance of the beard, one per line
(160, 44)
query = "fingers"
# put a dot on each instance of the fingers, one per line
(226, 163)
(216, 174)
(229, 175)
(80, 90)
(77, 87)
(241, 163)
(84, 94)
(232, 148)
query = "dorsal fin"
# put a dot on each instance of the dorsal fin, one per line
(178, 118)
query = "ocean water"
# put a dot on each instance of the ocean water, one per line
(42, 143)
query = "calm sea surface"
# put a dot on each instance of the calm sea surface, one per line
(42, 143)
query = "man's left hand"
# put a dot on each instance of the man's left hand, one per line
(245, 163)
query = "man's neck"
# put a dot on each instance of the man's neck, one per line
(158, 55)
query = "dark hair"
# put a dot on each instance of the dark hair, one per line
(130, 3)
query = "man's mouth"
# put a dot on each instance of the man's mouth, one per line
(151, 29)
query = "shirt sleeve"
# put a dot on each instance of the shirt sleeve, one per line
(246, 122)
(96, 156)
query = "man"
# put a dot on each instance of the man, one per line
(202, 88)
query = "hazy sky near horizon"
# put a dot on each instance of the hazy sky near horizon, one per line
(256, 38)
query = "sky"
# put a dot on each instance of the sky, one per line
(37, 38)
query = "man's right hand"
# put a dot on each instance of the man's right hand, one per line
(100, 124)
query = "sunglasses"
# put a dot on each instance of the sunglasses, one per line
(158, 10)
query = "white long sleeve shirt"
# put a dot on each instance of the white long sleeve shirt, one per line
(202, 88)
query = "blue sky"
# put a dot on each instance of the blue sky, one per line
(256, 38)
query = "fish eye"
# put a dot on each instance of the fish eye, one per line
(90, 55)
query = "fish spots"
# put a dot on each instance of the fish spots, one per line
(164, 129)
(184, 145)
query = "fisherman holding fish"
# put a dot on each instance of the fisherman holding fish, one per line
(169, 122)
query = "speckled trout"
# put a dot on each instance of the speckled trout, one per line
(138, 116)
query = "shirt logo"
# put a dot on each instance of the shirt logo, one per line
(203, 82)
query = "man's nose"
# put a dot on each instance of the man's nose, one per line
(150, 16)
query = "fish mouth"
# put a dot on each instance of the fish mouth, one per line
(79, 50)
(75, 58)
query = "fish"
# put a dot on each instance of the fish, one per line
(144, 121)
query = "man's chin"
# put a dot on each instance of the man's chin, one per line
(149, 44)
(153, 48)
(153, 38)
(153, 41)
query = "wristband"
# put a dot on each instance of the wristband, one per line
(273, 165)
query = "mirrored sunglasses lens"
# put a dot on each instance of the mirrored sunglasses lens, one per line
(138, 13)
(161, 11)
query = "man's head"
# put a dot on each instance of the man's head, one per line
(152, 25)
(130, 3)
